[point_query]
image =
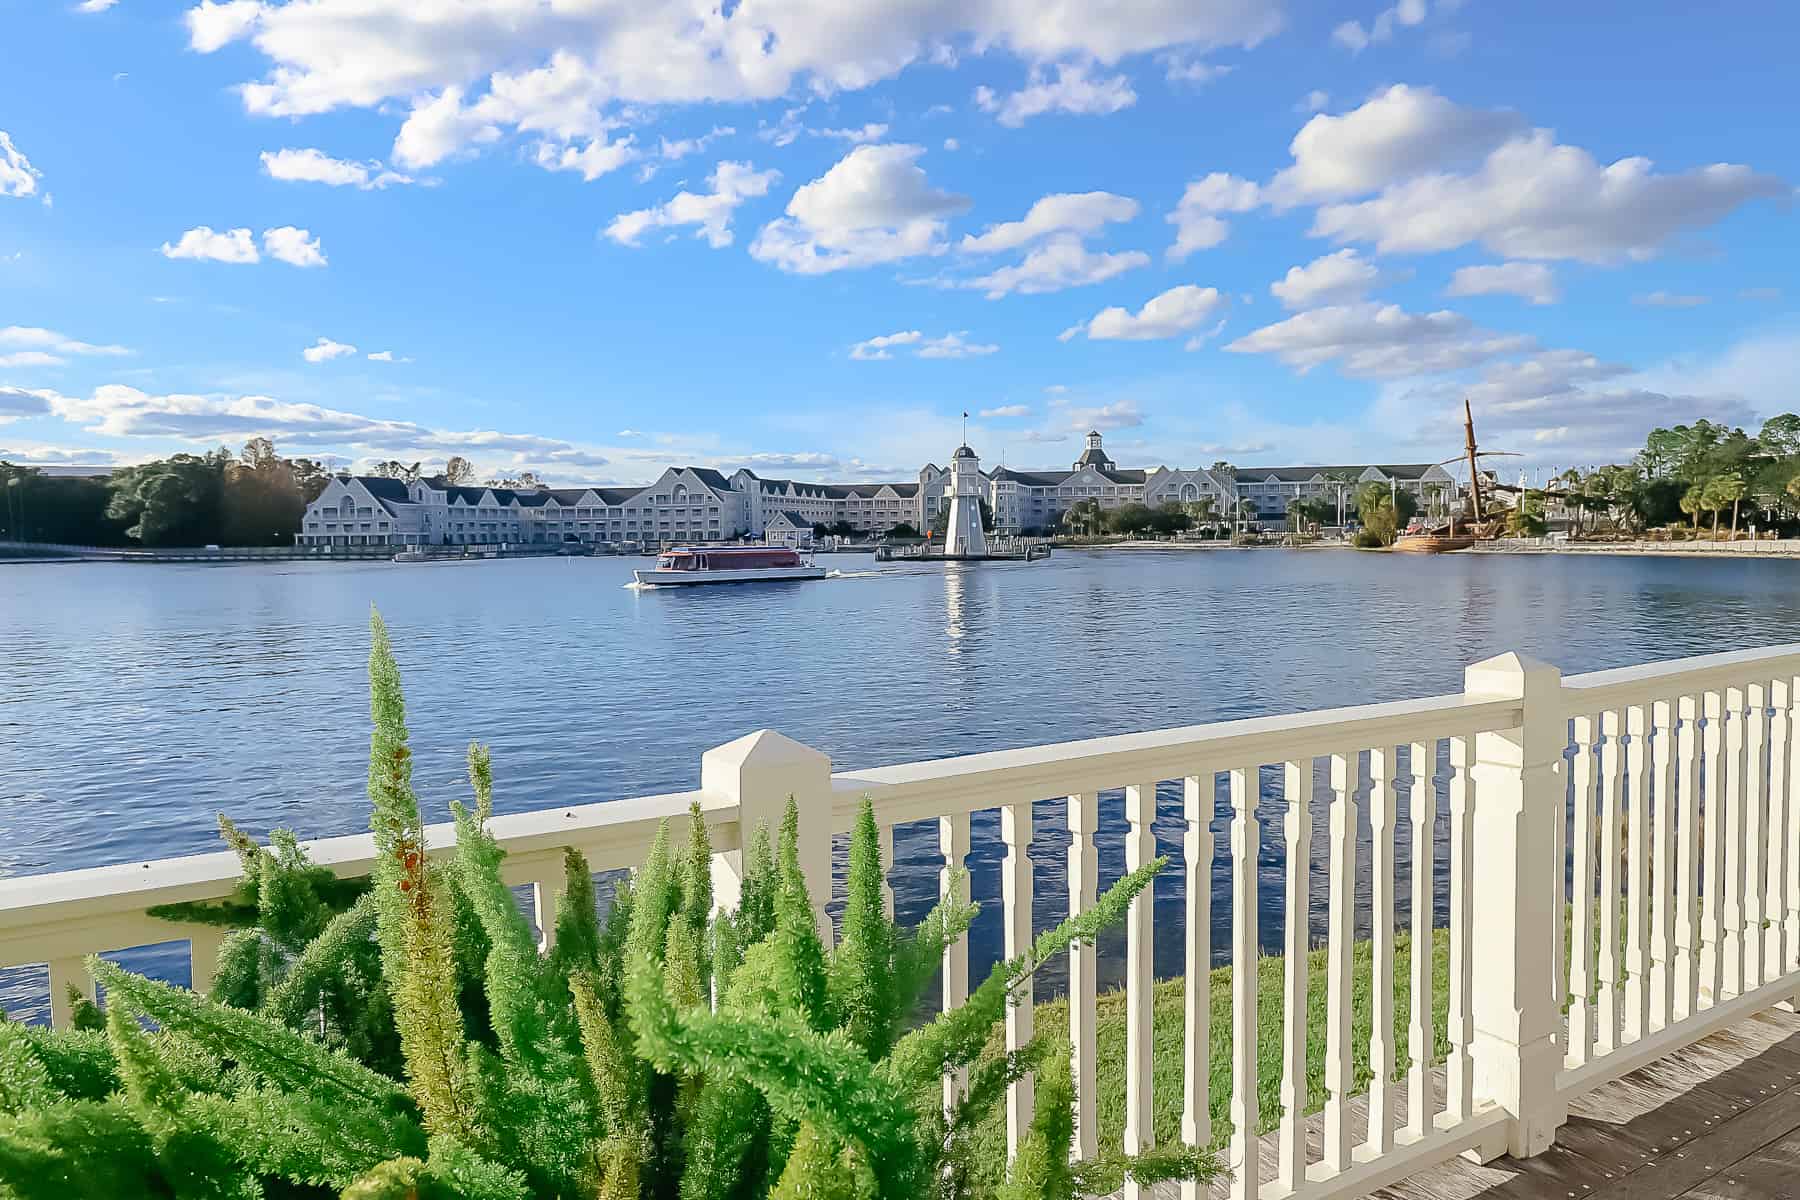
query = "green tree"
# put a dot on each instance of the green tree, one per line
(1527, 516)
(459, 472)
(1170, 517)
(1085, 517)
(1730, 489)
(1693, 503)
(175, 501)
(903, 530)
(1130, 519)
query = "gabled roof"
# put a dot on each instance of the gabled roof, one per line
(792, 518)
(711, 478)
(1307, 474)
(617, 496)
(383, 488)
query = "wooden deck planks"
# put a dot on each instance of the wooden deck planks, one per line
(1719, 1120)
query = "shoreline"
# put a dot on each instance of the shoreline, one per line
(1763, 548)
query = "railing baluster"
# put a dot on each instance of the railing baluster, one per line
(1637, 877)
(1662, 930)
(1339, 1077)
(1246, 1165)
(1297, 788)
(1015, 874)
(66, 973)
(203, 956)
(1381, 962)
(1140, 982)
(1459, 1071)
(1756, 793)
(1712, 837)
(1612, 785)
(1422, 757)
(953, 843)
(1791, 956)
(1084, 890)
(1197, 846)
(1775, 956)
(1731, 884)
(1559, 887)
(1687, 855)
(1581, 921)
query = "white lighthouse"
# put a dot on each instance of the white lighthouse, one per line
(963, 534)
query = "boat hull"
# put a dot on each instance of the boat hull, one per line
(747, 575)
(1426, 543)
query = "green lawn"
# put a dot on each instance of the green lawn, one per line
(1168, 1042)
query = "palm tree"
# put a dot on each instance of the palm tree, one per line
(1246, 511)
(1693, 502)
(1732, 490)
(1204, 510)
(1571, 480)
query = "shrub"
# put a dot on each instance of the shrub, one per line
(1367, 539)
(407, 1039)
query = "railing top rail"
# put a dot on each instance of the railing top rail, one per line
(939, 787)
(1679, 676)
(122, 888)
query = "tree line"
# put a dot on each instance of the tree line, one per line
(254, 498)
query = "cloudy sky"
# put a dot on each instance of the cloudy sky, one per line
(593, 237)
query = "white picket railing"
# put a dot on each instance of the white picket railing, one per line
(1638, 862)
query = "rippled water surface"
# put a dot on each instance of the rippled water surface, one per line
(136, 700)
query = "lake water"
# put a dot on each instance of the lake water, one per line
(137, 700)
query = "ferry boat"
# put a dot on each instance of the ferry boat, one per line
(686, 565)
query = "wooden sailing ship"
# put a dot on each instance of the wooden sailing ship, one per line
(1447, 538)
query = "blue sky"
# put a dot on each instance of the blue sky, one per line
(596, 237)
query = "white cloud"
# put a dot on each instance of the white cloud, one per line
(17, 403)
(387, 356)
(592, 159)
(32, 346)
(1315, 101)
(1192, 70)
(18, 178)
(880, 347)
(950, 345)
(94, 6)
(214, 24)
(873, 206)
(438, 127)
(955, 345)
(1057, 262)
(732, 183)
(296, 247)
(554, 68)
(334, 53)
(1173, 312)
(1661, 299)
(1196, 220)
(324, 350)
(232, 246)
(874, 131)
(1073, 90)
(1121, 414)
(1529, 281)
(1072, 212)
(1399, 132)
(1377, 341)
(1007, 411)
(315, 166)
(40, 455)
(1527, 198)
(1353, 37)
(682, 147)
(31, 358)
(1329, 279)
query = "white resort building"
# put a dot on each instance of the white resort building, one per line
(700, 504)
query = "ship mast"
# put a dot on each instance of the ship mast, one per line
(1474, 466)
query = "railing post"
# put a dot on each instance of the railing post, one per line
(758, 772)
(1520, 793)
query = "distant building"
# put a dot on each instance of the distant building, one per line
(699, 504)
(788, 529)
